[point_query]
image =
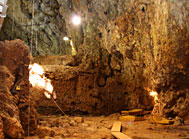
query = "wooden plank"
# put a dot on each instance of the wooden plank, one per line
(116, 127)
(133, 112)
(161, 120)
(130, 118)
(120, 135)
(147, 112)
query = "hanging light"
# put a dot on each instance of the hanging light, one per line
(66, 38)
(76, 20)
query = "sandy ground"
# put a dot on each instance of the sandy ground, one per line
(62, 127)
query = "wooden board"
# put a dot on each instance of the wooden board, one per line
(133, 112)
(147, 112)
(161, 120)
(116, 127)
(120, 135)
(130, 118)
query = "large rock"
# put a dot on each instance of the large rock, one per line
(46, 34)
(42, 132)
(9, 113)
(84, 92)
(15, 105)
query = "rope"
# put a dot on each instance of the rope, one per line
(32, 27)
(13, 20)
(52, 97)
(29, 109)
(59, 107)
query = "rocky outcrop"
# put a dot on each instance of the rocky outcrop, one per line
(39, 25)
(16, 110)
(139, 48)
(137, 45)
(154, 46)
(9, 111)
(66, 60)
(82, 90)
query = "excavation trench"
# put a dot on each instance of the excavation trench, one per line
(119, 53)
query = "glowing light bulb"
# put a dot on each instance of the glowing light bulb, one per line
(65, 38)
(76, 20)
(155, 95)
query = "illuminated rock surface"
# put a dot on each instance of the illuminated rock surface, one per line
(124, 50)
(14, 102)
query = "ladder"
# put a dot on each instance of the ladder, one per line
(3, 10)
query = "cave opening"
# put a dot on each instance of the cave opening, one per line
(94, 69)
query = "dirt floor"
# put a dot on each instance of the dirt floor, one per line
(64, 127)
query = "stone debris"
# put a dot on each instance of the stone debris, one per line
(42, 132)
(79, 119)
(100, 127)
(73, 123)
(178, 121)
(85, 124)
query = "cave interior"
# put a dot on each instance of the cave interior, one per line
(94, 69)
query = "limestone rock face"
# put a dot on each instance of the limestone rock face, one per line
(133, 46)
(66, 60)
(154, 46)
(14, 108)
(83, 91)
(10, 120)
(39, 25)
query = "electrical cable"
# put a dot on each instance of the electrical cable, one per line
(13, 20)
(31, 46)
(59, 107)
(32, 27)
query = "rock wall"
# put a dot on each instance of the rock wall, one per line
(16, 111)
(141, 45)
(39, 25)
(80, 92)
(152, 38)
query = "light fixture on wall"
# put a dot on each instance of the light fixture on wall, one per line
(76, 20)
(66, 38)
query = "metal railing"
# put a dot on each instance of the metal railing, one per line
(3, 10)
